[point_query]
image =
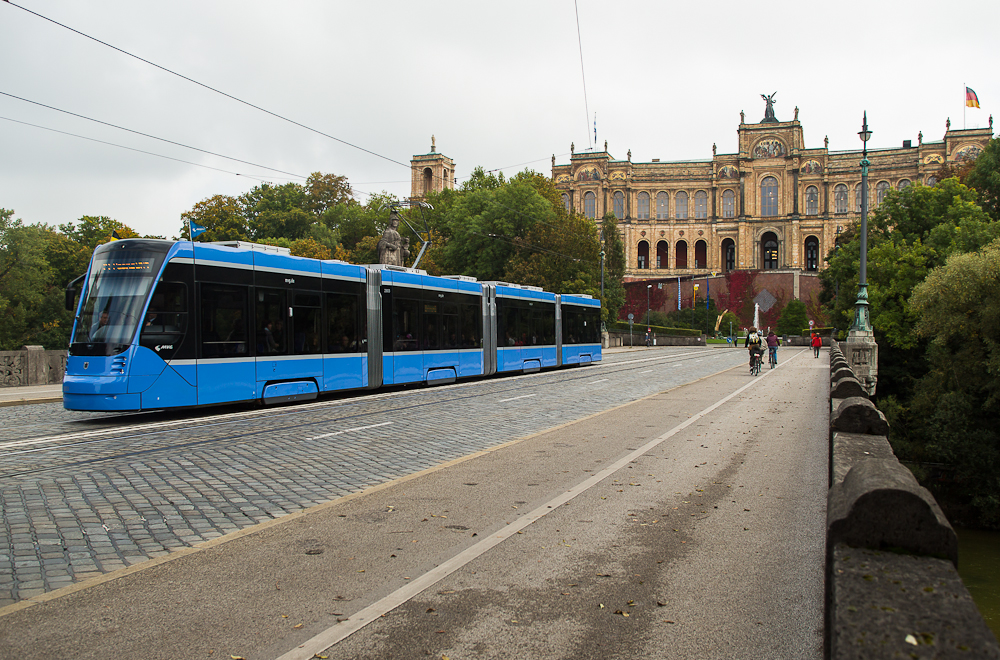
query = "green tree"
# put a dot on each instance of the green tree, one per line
(222, 217)
(326, 191)
(957, 402)
(24, 276)
(614, 267)
(911, 232)
(793, 318)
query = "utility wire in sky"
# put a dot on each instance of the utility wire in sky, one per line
(247, 103)
(120, 146)
(179, 144)
(586, 105)
(208, 87)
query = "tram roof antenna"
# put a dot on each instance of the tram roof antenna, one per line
(395, 206)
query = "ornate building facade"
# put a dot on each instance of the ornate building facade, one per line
(776, 204)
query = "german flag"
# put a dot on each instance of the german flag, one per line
(971, 99)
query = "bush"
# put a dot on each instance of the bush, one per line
(793, 317)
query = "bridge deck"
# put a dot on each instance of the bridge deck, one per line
(688, 523)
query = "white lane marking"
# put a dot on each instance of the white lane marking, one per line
(359, 620)
(515, 398)
(356, 428)
(647, 371)
(597, 381)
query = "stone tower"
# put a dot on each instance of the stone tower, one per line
(432, 172)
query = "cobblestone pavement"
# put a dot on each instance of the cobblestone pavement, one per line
(81, 498)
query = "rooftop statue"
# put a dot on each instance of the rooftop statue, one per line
(769, 110)
(392, 249)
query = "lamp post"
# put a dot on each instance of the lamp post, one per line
(861, 317)
(649, 328)
(862, 351)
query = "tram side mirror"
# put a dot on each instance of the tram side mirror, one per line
(71, 293)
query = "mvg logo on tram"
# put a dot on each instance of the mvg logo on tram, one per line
(166, 347)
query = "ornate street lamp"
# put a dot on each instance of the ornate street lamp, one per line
(861, 350)
(861, 316)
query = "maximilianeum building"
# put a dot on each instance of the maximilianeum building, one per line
(775, 205)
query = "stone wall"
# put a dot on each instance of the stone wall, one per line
(892, 587)
(32, 365)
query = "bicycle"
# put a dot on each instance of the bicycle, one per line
(772, 356)
(755, 365)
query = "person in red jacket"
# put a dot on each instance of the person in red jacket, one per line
(817, 341)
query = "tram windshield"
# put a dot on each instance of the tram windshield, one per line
(120, 278)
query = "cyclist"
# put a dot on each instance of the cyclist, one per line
(772, 347)
(753, 342)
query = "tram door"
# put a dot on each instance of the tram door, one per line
(287, 335)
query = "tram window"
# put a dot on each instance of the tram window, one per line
(450, 333)
(223, 321)
(166, 319)
(431, 326)
(472, 325)
(343, 335)
(405, 324)
(305, 322)
(270, 322)
(547, 329)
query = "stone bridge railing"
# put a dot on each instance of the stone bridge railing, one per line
(32, 365)
(892, 589)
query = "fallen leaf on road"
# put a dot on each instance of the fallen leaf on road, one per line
(625, 614)
(659, 604)
(667, 621)
(297, 626)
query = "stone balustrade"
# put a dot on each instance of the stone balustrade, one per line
(892, 587)
(32, 365)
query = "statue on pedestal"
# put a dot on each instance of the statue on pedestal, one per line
(769, 109)
(392, 249)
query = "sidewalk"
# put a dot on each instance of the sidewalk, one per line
(19, 396)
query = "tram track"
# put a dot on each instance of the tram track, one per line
(45, 445)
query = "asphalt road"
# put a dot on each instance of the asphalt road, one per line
(683, 518)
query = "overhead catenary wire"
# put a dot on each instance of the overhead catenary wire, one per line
(141, 151)
(249, 104)
(237, 99)
(154, 137)
(209, 87)
(583, 74)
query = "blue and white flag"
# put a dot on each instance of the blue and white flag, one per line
(194, 229)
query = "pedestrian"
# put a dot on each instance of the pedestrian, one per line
(817, 341)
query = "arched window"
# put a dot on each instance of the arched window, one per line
(681, 254)
(661, 255)
(931, 180)
(681, 205)
(590, 205)
(565, 201)
(643, 261)
(812, 253)
(701, 254)
(903, 183)
(880, 190)
(428, 180)
(701, 204)
(619, 205)
(840, 198)
(643, 204)
(812, 200)
(857, 198)
(769, 251)
(729, 254)
(769, 197)
(662, 206)
(728, 204)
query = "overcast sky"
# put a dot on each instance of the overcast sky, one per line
(498, 83)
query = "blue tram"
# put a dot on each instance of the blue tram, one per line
(163, 324)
